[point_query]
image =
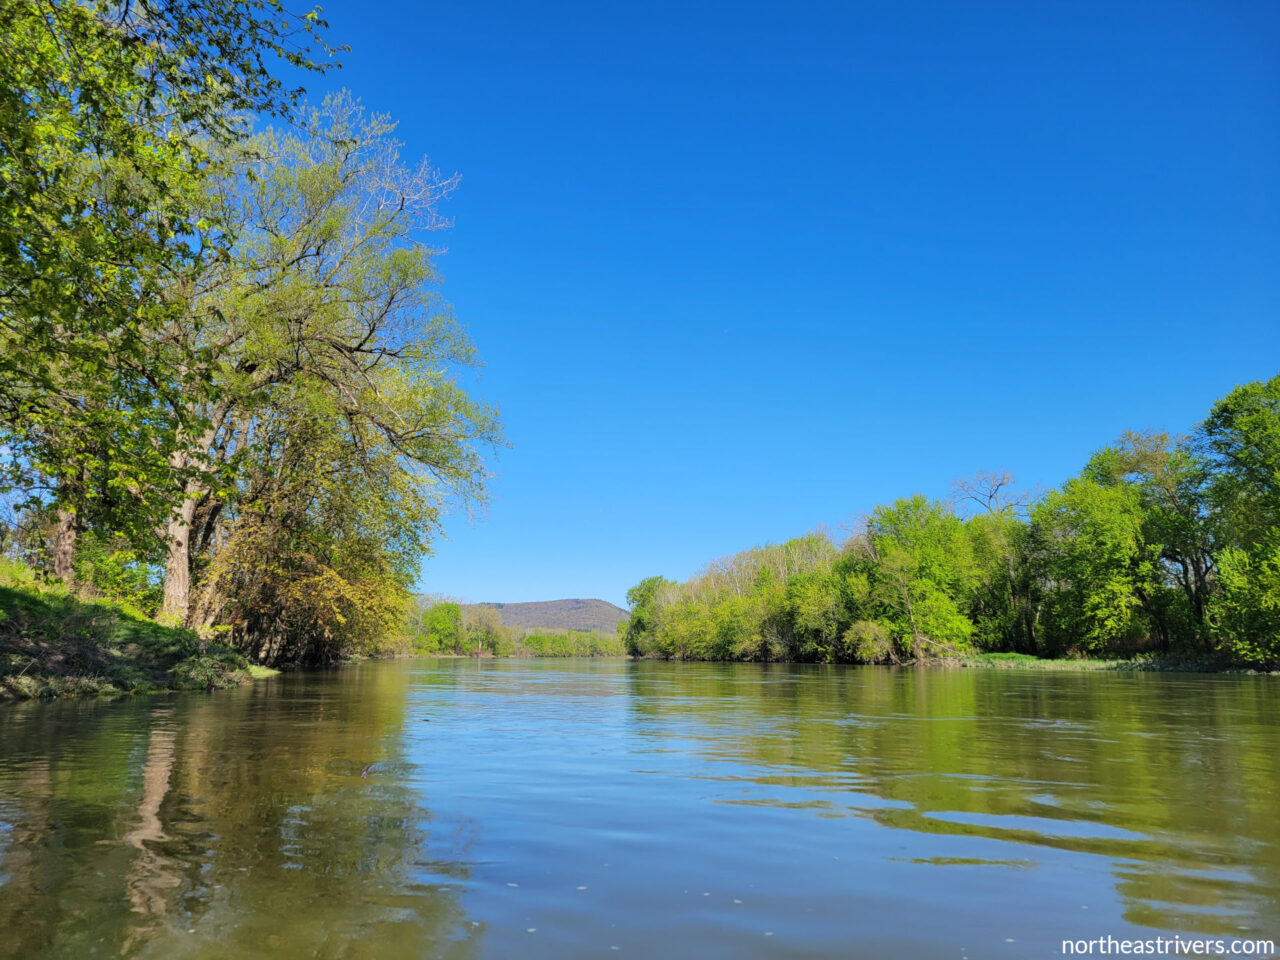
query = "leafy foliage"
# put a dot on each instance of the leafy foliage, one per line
(228, 389)
(110, 116)
(438, 627)
(1241, 438)
(1161, 545)
(53, 643)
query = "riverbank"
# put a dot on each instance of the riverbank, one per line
(54, 644)
(1023, 661)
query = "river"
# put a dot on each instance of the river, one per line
(563, 809)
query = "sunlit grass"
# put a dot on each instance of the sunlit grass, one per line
(55, 644)
(1023, 661)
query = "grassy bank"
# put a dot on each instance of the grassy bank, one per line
(1022, 661)
(54, 644)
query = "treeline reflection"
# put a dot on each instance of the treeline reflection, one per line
(1172, 778)
(242, 824)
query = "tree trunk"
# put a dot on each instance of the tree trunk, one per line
(64, 546)
(177, 566)
(176, 606)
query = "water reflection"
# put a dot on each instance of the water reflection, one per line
(276, 821)
(555, 810)
(1171, 778)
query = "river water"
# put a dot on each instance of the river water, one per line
(563, 809)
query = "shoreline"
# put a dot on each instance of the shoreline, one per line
(48, 686)
(1133, 665)
(54, 644)
(1005, 661)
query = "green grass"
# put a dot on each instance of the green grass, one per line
(1000, 659)
(54, 644)
(1023, 661)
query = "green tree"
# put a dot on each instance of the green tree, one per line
(1171, 480)
(441, 630)
(642, 624)
(1246, 608)
(311, 553)
(922, 575)
(1097, 566)
(1004, 601)
(483, 629)
(814, 616)
(107, 113)
(326, 318)
(1241, 437)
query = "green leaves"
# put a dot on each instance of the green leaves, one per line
(337, 412)
(1242, 437)
(224, 351)
(1246, 608)
(1092, 553)
(1160, 544)
(109, 113)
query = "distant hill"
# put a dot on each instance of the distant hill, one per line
(559, 614)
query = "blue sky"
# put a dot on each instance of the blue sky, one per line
(738, 270)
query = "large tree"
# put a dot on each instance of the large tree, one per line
(1171, 480)
(109, 111)
(1241, 436)
(330, 354)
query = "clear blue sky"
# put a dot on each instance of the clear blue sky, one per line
(737, 270)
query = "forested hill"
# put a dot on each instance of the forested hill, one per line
(559, 614)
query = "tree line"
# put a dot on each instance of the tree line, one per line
(440, 627)
(1167, 546)
(229, 391)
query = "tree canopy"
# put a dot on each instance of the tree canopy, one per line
(1162, 545)
(226, 374)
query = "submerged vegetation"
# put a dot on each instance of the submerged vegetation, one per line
(1162, 546)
